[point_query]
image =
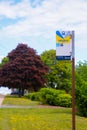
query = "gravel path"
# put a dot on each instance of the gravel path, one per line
(1, 99)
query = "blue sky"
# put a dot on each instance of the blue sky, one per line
(35, 23)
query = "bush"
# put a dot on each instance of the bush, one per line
(55, 97)
(52, 97)
(63, 100)
(49, 99)
(81, 99)
(48, 95)
(34, 96)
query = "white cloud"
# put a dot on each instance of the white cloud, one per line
(12, 11)
(1, 57)
(44, 19)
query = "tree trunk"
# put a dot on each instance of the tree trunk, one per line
(19, 92)
(22, 91)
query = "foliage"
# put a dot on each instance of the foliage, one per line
(59, 76)
(52, 97)
(81, 99)
(63, 100)
(81, 88)
(49, 57)
(81, 69)
(4, 61)
(34, 96)
(78, 79)
(63, 70)
(25, 70)
(48, 95)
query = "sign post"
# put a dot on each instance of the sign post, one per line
(65, 51)
(73, 83)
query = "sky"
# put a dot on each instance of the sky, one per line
(5, 91)
(35, 22)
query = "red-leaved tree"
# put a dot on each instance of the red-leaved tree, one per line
(25, 70)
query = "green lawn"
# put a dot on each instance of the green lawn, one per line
(38, 118)
(15, 100)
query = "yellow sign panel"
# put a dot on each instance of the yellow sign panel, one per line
(65, 40)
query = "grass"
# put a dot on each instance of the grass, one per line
(38, 118)
(15, 100)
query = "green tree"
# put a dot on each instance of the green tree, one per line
(81, 88)
(81, 99)
(59, 75)
(4, 61)
(81, 69)
(49, 57)
(63, 69)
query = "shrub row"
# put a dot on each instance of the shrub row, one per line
(34, 96)
(81, 99)
(55, 97)
(52, 97)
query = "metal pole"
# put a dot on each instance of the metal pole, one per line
(73, 83)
